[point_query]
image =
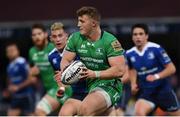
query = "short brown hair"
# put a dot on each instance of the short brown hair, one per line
(39, 26)
(57, 26)
(90, 11)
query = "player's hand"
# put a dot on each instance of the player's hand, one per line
(150, 78)
(60, 92)
(134, 88)
(34, 71)
(87, 73)
(13, 88)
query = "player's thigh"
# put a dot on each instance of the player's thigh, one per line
(93, 104)
(13, 112)
(70, 107)
(143, 107)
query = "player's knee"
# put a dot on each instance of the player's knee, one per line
(39, 112)
(65, 112)
(140, 112)
(85, 110)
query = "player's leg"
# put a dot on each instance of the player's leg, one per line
(14, 109)
(167, 101)
(93, 104)
(28, 105)
(70, 107)
(143, 107)
(101, 97)
(46, 105)
(51, 102)
(14, 112)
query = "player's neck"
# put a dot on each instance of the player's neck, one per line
(95, 34)
(140, 48)
(60, 50)
(14, 58)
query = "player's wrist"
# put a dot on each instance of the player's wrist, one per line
(156, 76)
(97, 74)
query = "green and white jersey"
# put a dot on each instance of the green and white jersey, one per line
(95, 54)
(40, 59)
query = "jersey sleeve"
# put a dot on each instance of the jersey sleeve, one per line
(128, 61)
(70, 46)
(114, 48)
(24, 68)
(162, 56)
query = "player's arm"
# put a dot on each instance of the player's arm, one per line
(67, 58)
(30, 79)
(133, 80)
(169, 70)
(125, 77)
(169, 67)
(116, 70)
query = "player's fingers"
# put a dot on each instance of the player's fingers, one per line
(84, 68)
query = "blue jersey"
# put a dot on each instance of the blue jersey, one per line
(55, 59)
(17, 71)
(151, 60)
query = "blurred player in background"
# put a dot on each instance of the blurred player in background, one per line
(20, 84)
(102, 54)
(59, 38)
(38, 56)
(150, 70)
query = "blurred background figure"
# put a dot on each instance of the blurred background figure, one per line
(19, 87)
(41, 68)
(150, 73)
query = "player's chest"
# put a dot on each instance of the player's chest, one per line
(148, 60)
(92, 49)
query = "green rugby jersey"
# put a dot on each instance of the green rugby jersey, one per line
(40, 59)
(95, 54)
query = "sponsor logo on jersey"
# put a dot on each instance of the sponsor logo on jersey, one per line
(99, 51)
(54, 60)
(83, 46)
(133, 59)
(116, 45)
(151, 55)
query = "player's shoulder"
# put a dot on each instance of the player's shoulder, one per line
(50, 44)
(53, 52)
(32, 49)
(131, 50)
(75, 35)
(153, 45)
(108, 36)
(20, 60)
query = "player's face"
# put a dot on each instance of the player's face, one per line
(12, 52)
(139, 37)
(39, 36)
(85, 24)
(59, 37)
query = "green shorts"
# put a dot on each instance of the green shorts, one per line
(111, 90)
(68, 93)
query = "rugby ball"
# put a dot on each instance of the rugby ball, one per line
(71, 74)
